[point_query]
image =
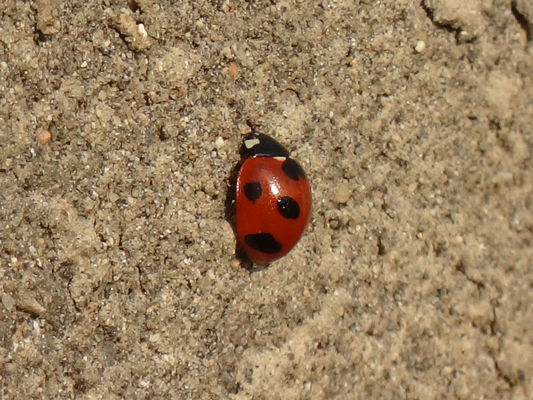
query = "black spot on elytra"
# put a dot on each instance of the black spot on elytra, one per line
(288, 207)
(292, 169)
(263, 242)
(253, 191)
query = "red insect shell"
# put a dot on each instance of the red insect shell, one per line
(273, 201)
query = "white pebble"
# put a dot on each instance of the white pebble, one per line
(420, 46)
(141, 30)
(219, 142)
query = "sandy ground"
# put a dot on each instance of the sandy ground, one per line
(118, 274)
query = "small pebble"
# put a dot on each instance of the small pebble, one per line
(420, 46)
(396, 139)
(8, 301)
(226, 52)
(28, 304)
(142, 30)
(234, 70)
(219, 142)
(342, 193)
(44, 136)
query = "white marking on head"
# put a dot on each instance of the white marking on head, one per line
(282, 159)
(249, 143)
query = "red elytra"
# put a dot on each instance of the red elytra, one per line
(273, 200)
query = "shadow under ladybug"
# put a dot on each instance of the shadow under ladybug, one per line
(268, 202)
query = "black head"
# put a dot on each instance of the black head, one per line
(258, 144)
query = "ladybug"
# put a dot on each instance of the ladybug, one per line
(272, 200)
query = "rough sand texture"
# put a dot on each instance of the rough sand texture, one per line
(118, 275)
